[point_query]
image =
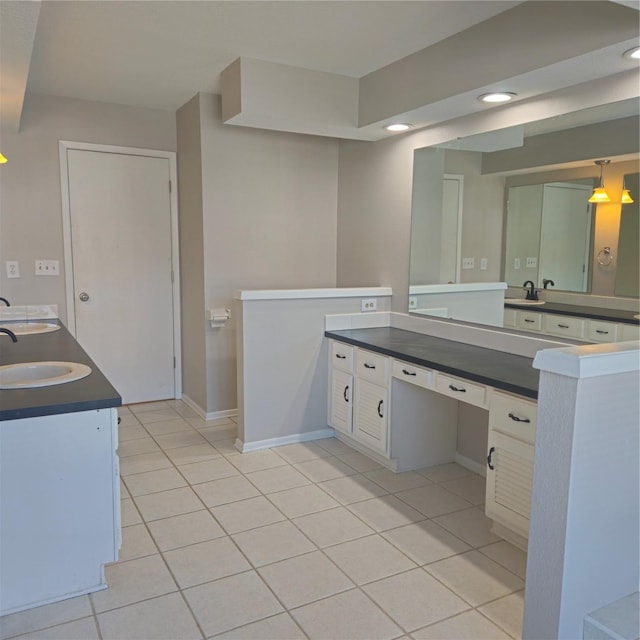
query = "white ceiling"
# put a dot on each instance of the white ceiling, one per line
(159, 54)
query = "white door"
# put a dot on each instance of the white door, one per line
(451, 231)
(565, 236)
(120, 228)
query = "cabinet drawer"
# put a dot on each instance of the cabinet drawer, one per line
(342, 356)
(413, 374)
(600, 331)
(628, 332)
(569, 326)
(513, 416)
(510, 318)
(372, 366)
(529, 321)
(462, 389)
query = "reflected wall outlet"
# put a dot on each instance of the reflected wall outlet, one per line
(413, 302)
(516, 263)
(532, 263)
(483, 264)
(47, 267)
(370, 304)
(13, 269)
(468, 263)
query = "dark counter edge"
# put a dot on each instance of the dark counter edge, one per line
(87, 394)
(498, 384)
(592, 313)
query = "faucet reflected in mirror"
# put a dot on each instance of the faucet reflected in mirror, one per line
(9, 333)
(5, 301)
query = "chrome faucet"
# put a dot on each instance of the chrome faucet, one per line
(9, 333)
(532, 293)
(546, 282)
(6, 302)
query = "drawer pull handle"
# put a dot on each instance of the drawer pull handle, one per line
(459, 389)
(344, 395)
(602, 332)
(380, 408)
(408, 373)
(563, 326)
(340, 356)
(529, 321)
(369, 366)
(516, 419)
(489, 458)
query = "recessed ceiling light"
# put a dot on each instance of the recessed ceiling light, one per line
(501, 96)
(634, 53)
(398, 126)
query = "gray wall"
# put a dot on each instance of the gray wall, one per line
(194, 379)
(30, 203)
(268, 222)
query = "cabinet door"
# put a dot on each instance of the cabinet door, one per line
(529, 320)
(509, 475)
(340, 411)
(371, 414)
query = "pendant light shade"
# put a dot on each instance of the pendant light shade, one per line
(599, 193)
(2, 159)
(626, 197)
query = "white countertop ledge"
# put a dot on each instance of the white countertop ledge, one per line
(459, 287)
(299, 294)
(591, 360)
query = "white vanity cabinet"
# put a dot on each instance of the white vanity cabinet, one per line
(341, 386)
(59, 506)
(512, 426)
(359, 395)
(371, 400)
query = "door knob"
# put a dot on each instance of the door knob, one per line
(84, 296)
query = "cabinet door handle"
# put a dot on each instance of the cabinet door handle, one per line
(563, 326)
(408, 373)
(489, 458)
(369, 366)
(344, 394)
(516, 419)
(458, 389)
(602, 332)
(380, 408)
(529, 321)
(340, 356)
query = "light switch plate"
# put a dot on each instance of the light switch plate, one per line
(532, 263)
(468, 263)
(13, 268)
(47, 268)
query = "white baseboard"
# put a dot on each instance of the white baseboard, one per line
(319, 434)
(470, 464)
(212, 415)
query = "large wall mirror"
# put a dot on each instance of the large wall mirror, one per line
(513, 206)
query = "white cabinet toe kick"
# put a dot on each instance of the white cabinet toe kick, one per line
(405, 417)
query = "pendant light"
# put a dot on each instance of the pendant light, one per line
(2, 159)
(599, 193)
(626, 196)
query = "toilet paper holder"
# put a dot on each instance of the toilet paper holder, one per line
(218, 317)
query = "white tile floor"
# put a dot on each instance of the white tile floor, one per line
(303, 541)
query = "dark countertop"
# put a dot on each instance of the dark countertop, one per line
(595, 313)
(494, 368)
(86, 394)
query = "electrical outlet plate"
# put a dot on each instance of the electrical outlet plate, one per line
(413, 302)
(516, 263)
(369, 304)
(13, 269)
(483, 264)
(468, 263)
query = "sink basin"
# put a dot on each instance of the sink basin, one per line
(523, 302)
(27, 375)
(26, 328)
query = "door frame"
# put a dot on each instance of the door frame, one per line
(459, 178)
(63, 147)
